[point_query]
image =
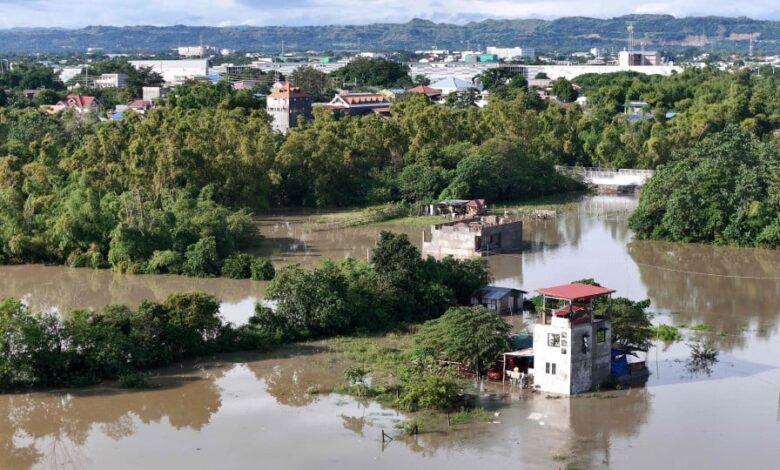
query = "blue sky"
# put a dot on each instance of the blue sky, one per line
(68, 14)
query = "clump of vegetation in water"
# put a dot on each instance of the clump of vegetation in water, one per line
(420, 376)
(246, 266)
(49, 350)
(139, 380)
(668, 333)
(396, 287)
(703, 357)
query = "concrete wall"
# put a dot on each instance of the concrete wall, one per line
(451, 240)
(577, 371)
(461, 241)
(505, 237)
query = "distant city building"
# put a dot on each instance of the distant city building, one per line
(508, 53)
(154, 93)
(111, 80)
(285, 104)
(225, 51)
(452, 85)
(634, 58)
(175, 72)
(195, 51)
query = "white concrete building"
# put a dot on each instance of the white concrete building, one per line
(111, 80)
(194, 51)
(285, 104)
(154, 94)
(572, 346)
(634, 58)
(175, 72)
(508, 53)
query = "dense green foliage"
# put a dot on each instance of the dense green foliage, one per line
(379, 72)
(318, 84)
(630, 319)
(472, 336)
(342, 297)
(726, 189)
(48, 350)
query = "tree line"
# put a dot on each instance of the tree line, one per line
(123, 194)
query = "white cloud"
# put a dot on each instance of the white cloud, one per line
(301, 12)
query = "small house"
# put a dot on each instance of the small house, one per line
(502, 300)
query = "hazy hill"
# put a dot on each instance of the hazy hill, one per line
(564, 34)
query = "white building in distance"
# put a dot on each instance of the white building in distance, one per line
(175, 72)
(634, 58)
(111, 80)
(194, 51)
(508, 53)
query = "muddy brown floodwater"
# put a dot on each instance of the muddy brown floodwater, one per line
(253, 411)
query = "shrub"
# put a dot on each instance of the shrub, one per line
(201, 258)
(262, 269)
(165, 262)
(238, 266)
(138, 380)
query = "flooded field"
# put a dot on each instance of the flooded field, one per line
(254, 411)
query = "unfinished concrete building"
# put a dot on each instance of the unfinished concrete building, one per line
(473, 237)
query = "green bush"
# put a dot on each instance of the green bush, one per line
(238, 266)
(201, 258)
(165, 262)
(139, 380)
(262, 269)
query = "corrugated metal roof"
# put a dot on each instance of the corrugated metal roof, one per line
(575, 290)
(498, 293)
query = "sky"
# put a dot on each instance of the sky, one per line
(68, 14)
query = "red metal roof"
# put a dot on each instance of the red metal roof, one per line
(80, 101)
(574, 291)
(425, 90)
(285, 90)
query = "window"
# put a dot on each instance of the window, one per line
(585, 343)
(563, 350)
(550, 368)
(601, 335)
(553, 340)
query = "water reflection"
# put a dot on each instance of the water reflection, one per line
(731, 290)
(63, 289)
(51, 428)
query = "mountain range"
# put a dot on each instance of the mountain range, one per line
(560, 35)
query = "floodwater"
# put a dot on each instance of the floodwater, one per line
(258, 411)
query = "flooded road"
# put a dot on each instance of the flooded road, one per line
(259, 411)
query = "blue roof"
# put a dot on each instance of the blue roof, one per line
(639, 117)
(522, 341)
(453, 83)
(117, 116)
(498, 293)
